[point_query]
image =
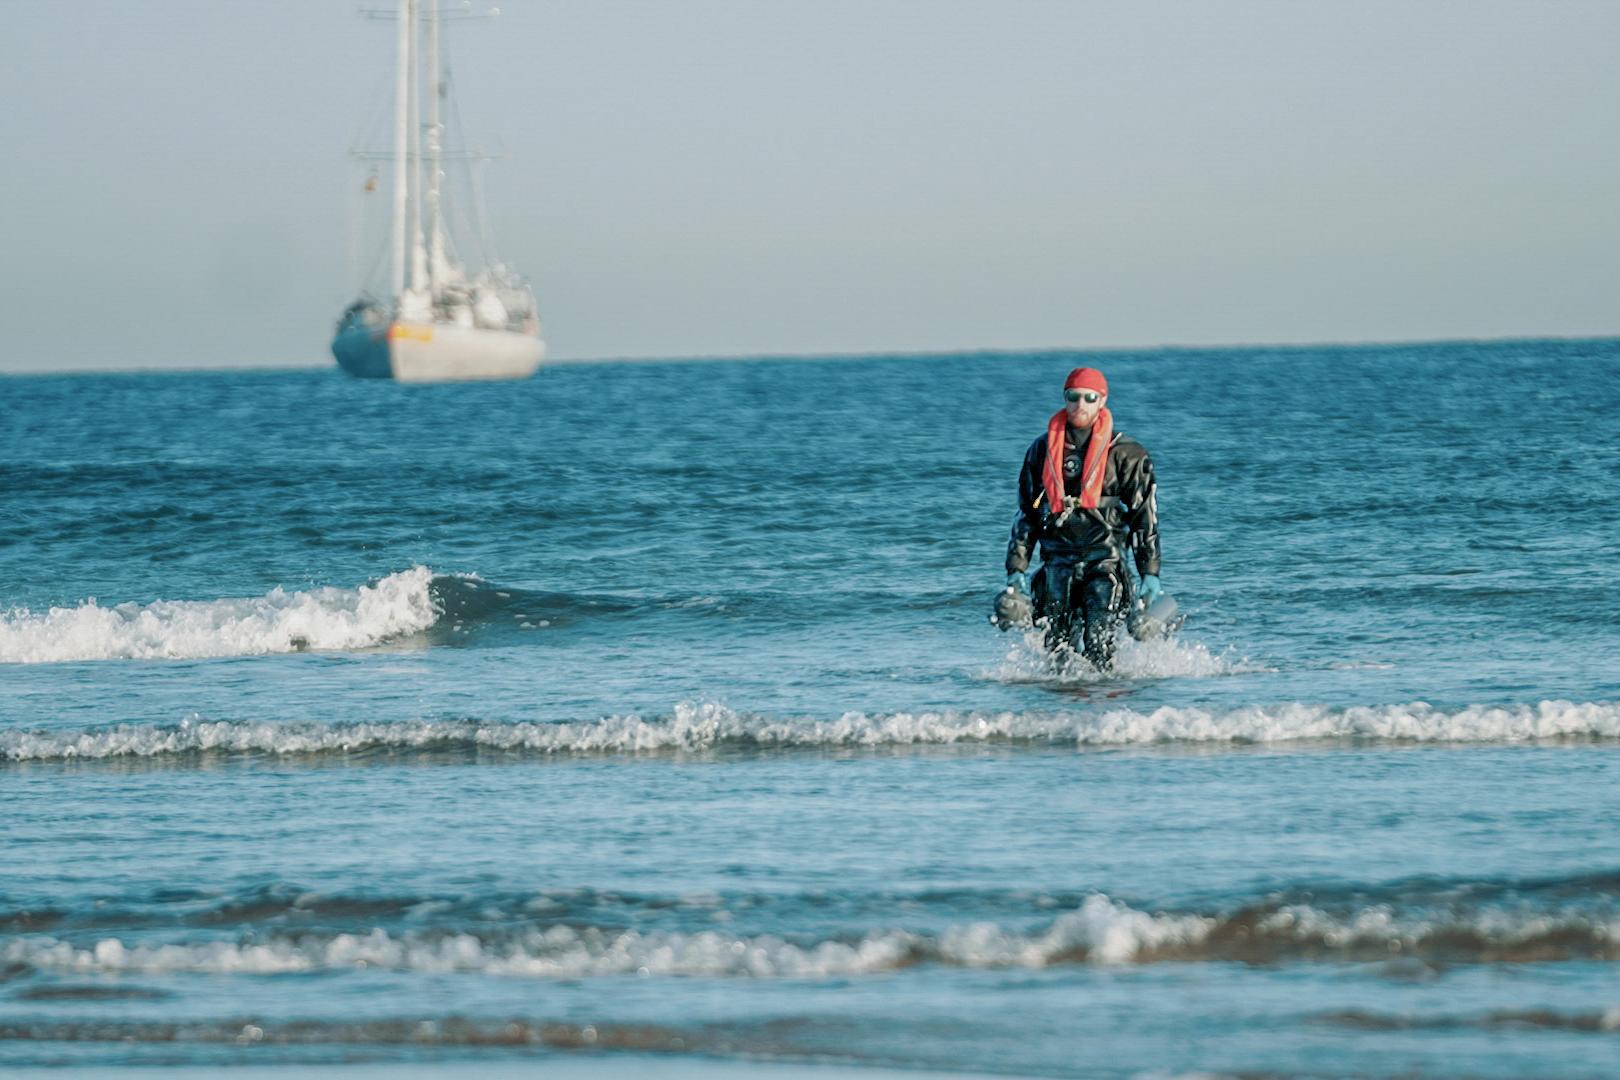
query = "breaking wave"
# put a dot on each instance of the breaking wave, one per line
(1099, 930)
(441, 608)
(708, 726)
(278, 622)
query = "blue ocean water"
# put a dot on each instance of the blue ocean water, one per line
(648, 713)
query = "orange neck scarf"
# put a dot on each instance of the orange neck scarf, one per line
(1092, 470)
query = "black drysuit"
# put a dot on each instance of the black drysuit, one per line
(1082, 588)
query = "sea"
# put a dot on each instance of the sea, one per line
(647, 720)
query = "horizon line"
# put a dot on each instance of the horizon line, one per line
(894, 354)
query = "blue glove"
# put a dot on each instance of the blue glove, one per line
(1017, 582)
(1151, 589)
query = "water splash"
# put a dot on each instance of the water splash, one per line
(1029, 661)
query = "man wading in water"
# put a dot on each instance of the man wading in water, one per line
(1086, 493)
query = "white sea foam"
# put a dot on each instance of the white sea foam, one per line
(1100, 931)
(1028, 660)
(278, 622)
(707, 726)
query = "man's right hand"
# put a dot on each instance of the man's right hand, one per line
(1017, 582)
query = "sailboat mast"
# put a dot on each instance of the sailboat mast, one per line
(402, 85)
(418, 247)
(435, 139)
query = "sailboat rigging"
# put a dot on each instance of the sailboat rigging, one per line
(440, 322)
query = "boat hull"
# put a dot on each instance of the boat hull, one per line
(436, 352)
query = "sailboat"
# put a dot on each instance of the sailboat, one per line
(441, 323)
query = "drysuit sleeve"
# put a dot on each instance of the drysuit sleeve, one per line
(1026, 528)
(1139, 492)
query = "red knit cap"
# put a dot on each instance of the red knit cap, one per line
(1086, 378)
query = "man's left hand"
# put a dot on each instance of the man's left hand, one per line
(1151, 589)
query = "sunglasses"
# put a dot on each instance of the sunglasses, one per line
(1090, 397)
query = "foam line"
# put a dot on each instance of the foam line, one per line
(708, 726)
(1100, 930)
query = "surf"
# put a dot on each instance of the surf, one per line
(277, 622)
(711, 726)
(1098, 930)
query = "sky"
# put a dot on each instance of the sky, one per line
(693, 178)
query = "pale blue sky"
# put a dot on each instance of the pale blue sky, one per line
(737, 177)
